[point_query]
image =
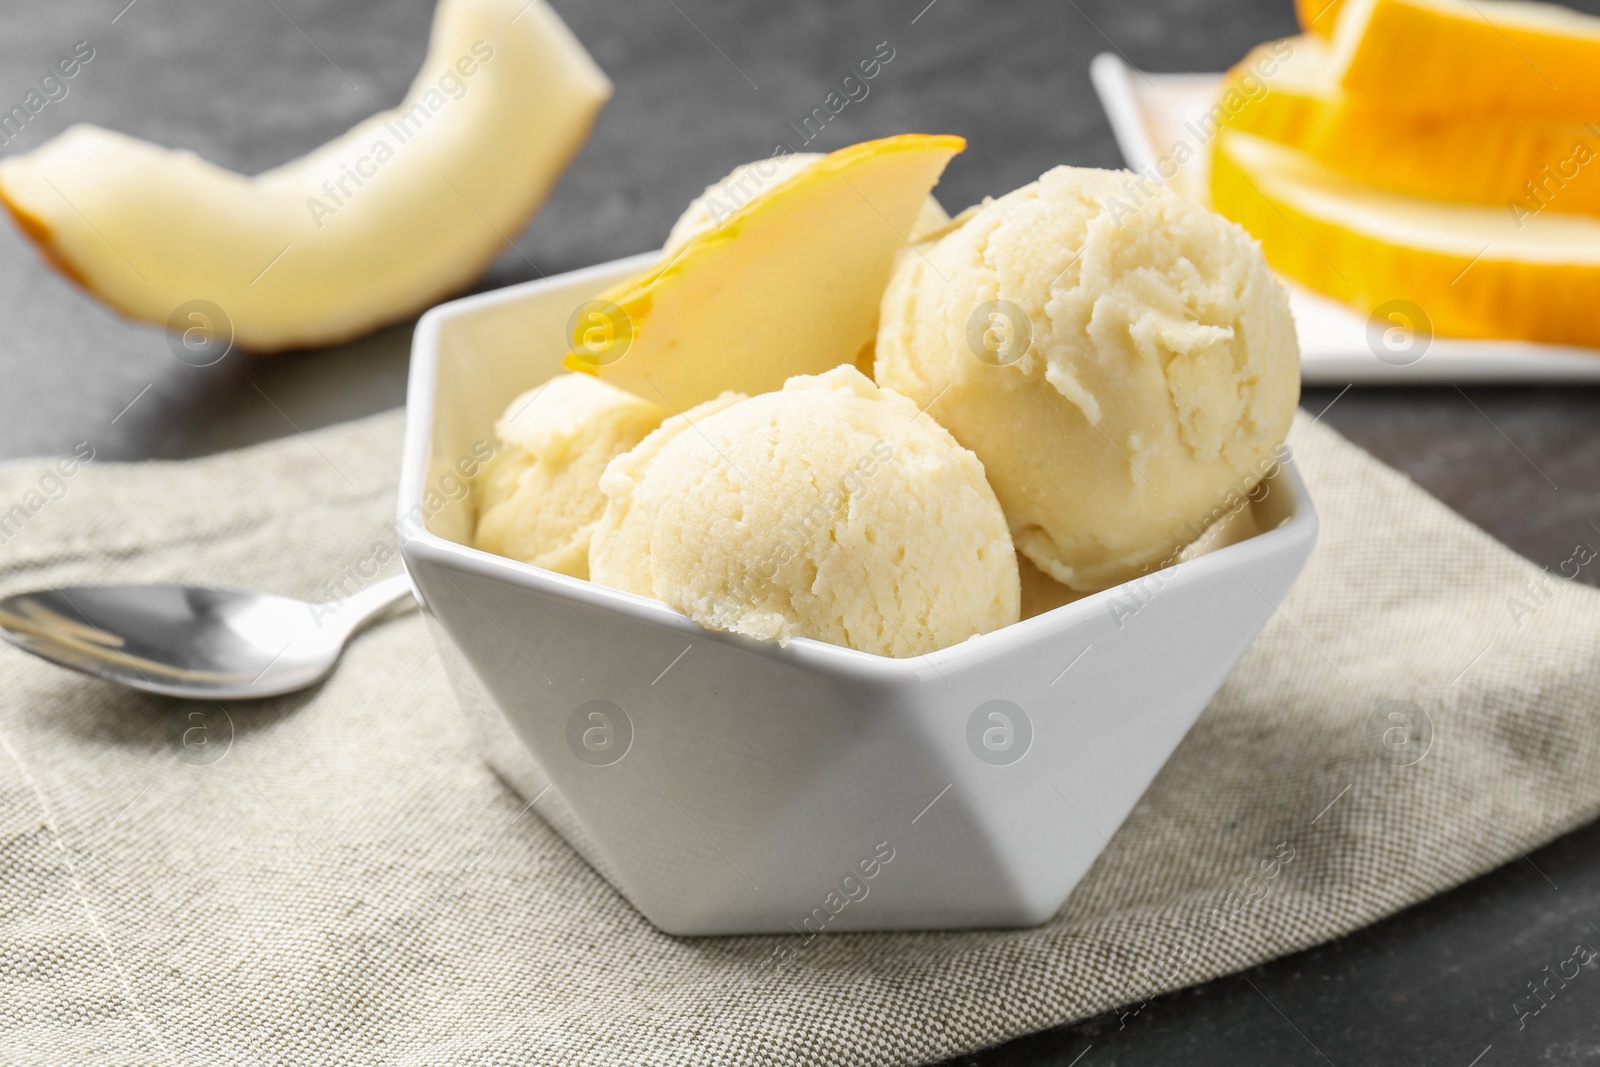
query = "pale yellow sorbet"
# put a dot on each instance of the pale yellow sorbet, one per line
(1161, 374)
(539, 498)
(830, 509)
(721, 198)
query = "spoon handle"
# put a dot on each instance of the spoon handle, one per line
(358, 608)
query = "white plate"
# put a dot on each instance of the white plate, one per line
(1147, 110)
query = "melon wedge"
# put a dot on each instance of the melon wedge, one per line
(1459, 57)
(788, 284)
(1525, 165)
(1520, 166)
(1280, 90)
(722, 197)
(1472, 270)
(405, 208)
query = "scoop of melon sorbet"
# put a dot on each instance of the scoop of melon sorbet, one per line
(1121, 359)
(830, 509)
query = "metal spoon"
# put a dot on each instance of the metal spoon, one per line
(187, 641)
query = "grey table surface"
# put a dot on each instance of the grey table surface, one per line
(702, 85)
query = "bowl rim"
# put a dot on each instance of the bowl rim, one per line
(417, 541)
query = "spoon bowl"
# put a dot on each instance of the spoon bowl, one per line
(191, 641)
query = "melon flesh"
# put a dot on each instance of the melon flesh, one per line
(1469, 57)
(405, 208)
(1473, 270)
(1518, 163)
(788, 284)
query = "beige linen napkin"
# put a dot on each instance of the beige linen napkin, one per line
(335, 877)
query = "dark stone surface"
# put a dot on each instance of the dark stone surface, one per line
(250, 84)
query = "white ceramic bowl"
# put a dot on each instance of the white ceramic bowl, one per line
(725, 786)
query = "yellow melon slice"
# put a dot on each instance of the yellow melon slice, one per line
(1521, 166)
(721, 198)
(1280, 90)
(1473, 271)
(405, 208)
(788, 284)
(1288, 91)
(1481, 57)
